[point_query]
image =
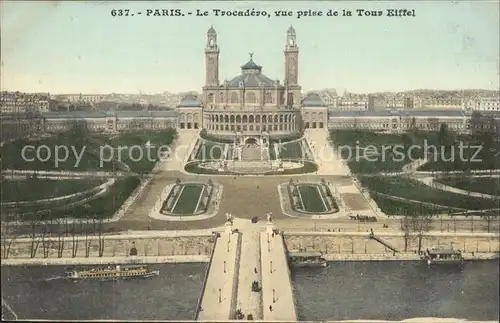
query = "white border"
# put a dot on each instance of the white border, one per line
(155, 210)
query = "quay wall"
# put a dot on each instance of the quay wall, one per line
(359, 246)
(88, 250)
(105, 260)
(205, 277)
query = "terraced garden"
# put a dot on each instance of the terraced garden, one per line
(95, 155)
(131, 149)
(210, 150)
(31, 189)
(415, 190)
(483, 185)
(100, 207)
(392, 151)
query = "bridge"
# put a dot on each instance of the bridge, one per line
(243, 255)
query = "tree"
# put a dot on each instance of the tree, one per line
(74, 245)
(60, 240)
(406, 227)
(419, 225)
(443, 134)
(6, 239)
(413, 124)
(101, 238)
(34, 239)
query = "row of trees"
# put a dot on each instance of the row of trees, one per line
(43, 233)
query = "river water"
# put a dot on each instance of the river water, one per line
(37, 293)
(343, 291)
(396, 291)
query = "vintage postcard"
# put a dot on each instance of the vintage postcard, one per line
(250, 160)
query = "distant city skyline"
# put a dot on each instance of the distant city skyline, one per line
(68, 47)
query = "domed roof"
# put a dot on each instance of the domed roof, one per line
(211, 30)
(252, 76)
(190, 101)
(313, 100)
(291, 30)
(250, 65)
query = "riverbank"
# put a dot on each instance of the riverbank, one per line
(106, 249)
(401, 257)
(362, 246)
(106, 260)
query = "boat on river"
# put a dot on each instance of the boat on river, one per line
(439, 256)
(307, 259)
(113, 272)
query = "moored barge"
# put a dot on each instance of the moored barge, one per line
(307, 259)
(443, 257)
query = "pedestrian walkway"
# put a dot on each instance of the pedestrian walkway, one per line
(219, 294)
(249, 302)
(429, 181)
(185, 142)
(277, 291)
(325, 156)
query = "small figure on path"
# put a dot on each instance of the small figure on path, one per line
(270, 308)
(255, 270)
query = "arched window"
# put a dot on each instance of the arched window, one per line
(251, 98)
(269, 98)
(234, 97)
(221, 97)
(211, 98)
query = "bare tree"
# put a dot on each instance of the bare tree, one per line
(60, 240)
(34, 239)
(45, 243)
(420, 225)
(406, 228)
(488, 217)
(101, 239)
(6, 238)
(74, 245)
(87, 243)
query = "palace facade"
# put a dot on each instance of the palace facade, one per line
(251, 105)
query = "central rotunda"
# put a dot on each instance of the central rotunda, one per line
(251, 107)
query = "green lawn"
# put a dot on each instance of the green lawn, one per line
(41, 188)
(12, 157)
(450, 160)
(79, 140)
(272, 153)
(415, 190)
(311, 198)
(210, 150)
(484, 185)
(187, 202)
(291, 150)
(100, 208)
(393, 160)
(347, 141)
(140, 159)
(395, 207)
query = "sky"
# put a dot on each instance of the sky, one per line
(79, 47)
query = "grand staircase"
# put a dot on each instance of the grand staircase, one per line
(251, 166)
